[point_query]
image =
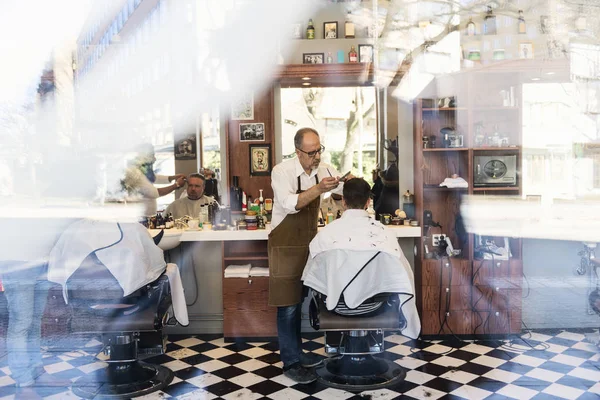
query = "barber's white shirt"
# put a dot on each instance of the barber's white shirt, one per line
(284, 181)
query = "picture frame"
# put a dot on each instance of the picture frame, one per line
(185, 148)
(254, 132)
(526, 50)
(365, 53)
(296, 31)
(313, 58)
(330, 30)
(242, 108)
(260, 159)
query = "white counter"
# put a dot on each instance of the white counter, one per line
(263, 234)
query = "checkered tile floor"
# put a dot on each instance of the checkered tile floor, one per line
(563, 365)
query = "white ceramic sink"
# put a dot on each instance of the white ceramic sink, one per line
(170, 239)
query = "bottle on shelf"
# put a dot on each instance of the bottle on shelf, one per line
(330, 216)
(236, 195)
(244, 207)
(471, 27)
(349, 27)
(489, 22)
(522, 27)
(352, 55)
(310, 30)
(261, 202)
(329, 58)
(371, 210)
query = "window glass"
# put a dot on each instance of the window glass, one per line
(345, 118)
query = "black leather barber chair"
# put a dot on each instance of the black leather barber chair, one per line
(355, 335)
(130, 326)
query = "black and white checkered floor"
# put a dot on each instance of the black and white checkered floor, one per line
(563, 364)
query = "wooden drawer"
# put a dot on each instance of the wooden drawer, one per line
(249, 294)
(459, 297)
(458, 322)
(453, 272)
(496, 298)
(496, 322)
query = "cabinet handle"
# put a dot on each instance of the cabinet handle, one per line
(497, 314)
(447, 265)
(249, 281)
(54, 297)
(497, 289)
(498, 264)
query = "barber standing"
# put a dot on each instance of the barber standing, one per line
(297, 184)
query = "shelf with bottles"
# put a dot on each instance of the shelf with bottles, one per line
(444, 149)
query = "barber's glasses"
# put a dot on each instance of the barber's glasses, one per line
(314, 152)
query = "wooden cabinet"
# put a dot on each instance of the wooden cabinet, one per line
(246, 313)
(464, 295)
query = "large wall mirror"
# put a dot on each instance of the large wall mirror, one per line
(346, 119)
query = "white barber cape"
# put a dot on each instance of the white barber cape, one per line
(126, 249)
(340, 251)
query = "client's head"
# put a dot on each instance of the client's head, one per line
(356, 194)
(195, 186)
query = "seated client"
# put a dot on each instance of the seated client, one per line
(190, 205)
(358, 257)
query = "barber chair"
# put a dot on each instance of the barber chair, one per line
(130, 326)
(359, 334)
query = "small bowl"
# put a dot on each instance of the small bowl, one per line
(396, 221)
(414, 223)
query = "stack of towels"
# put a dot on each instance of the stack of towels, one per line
(245, 271)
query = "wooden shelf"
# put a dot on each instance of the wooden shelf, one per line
(346, 74)
(496, 189)
(249, 256)
(441, 149)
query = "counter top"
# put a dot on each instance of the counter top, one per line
(263, 234)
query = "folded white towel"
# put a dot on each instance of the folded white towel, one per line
(455, 183)
(238, 268)
(236, 275)
(259, 271)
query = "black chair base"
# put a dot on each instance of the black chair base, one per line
(123, 381)
(358, 373)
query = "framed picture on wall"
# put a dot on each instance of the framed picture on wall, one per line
(313, 58)
(260, 159)
(252, 132)
(365, 53)
(330, 30)
(185, 148)
(242, 108)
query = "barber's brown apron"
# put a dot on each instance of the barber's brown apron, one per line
(288, 253)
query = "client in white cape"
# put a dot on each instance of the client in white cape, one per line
(341, 249)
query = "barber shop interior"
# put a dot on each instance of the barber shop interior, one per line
(300, 199)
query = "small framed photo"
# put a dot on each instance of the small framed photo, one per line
(296, 31)
(526, 50)
(330, 30)
(313, 58)
(185, 148)
(365, 53)
(252, 132)
(260, 159)
(242, 108)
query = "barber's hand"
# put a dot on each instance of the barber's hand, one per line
(177, 177)
(180, 181)
(348, 177)
(328, 183)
